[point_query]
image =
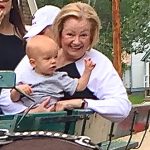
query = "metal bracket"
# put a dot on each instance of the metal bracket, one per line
(111, 134)
(86, 141)
(146, 128)
(4, 133)
(131, 130)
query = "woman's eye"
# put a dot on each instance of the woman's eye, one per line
(83, 35)
(69, 34)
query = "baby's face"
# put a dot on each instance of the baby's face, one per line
(46, 62)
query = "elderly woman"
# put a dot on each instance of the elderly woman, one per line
(76, 30)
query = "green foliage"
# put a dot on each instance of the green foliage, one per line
(136, 26)
(136, 98)
(104, 11)
(125, 67)
(42, 3)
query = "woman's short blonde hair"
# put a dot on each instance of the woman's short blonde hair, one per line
(78, 10)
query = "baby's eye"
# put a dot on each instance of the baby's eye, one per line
(47, 58)
(56, 56)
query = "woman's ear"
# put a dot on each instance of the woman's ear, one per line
(32, 62)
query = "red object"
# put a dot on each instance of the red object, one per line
(138, 127)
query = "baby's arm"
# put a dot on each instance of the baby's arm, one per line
(15, 95)
(83, 81)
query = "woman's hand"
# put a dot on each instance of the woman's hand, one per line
(59, 106)
(43, 107)
(68, 104)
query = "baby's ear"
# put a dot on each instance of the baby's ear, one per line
(32, 62)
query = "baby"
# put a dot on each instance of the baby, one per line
(43, 81)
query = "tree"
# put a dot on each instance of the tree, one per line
(136, 26)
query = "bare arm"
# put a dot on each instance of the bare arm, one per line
(68, 104)
(15, 95)
(83, 81)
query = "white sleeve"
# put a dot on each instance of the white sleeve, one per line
(22, 68)
(113, 102)
(8, 107)
(6, 104)
(106, 85)
(114, 109)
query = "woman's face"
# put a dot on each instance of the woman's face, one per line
(75, 38)
(5, 6)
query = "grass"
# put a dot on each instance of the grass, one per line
(136, 98)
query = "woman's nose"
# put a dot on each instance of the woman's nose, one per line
(76, 40)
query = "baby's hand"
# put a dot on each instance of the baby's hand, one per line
(89, 65)
(25, 88)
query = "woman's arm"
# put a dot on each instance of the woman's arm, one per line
(68, 104)
(115, 109)
(111, 109)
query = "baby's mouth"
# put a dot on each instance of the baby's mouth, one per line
(53, 67)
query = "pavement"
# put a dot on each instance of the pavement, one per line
(138, 136)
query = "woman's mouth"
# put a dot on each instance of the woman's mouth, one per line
(2, 7)
(76, 48)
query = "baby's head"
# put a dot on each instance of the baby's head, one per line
(42, 52)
